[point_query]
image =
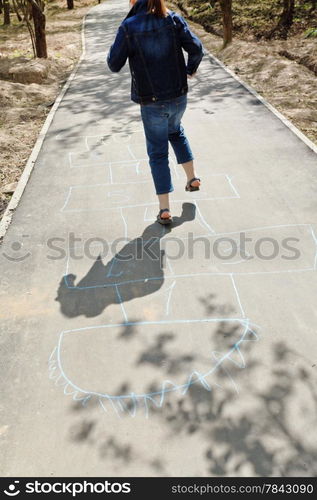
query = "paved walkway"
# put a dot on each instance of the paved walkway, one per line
(132, 349)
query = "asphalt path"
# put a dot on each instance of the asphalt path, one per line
(128, 348)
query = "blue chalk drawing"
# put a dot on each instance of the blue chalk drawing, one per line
(124, 401)
(94, 156)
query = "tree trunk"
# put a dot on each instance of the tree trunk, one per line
(313, 5)
(1, 6)
(70, 4)
(285, 22)
(6, 12)
(287, 16)
(16, 10)
(226, 7)
(39, 21)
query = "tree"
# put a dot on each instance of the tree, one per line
(39, 21)
(226, 8)
(26, 9)
(70, 4)
(285, 21)
(33, 10)
(16, 10)
(6, 12)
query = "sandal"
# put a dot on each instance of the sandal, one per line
(164, 220)
(189, 186)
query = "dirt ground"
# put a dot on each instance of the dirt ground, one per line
(283, 71)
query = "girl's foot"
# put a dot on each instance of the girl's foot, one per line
(193, 184)
(164, 217)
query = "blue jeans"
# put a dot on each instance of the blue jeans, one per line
(162, 124)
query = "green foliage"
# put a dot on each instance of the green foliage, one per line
(20, 53)
(310, 33)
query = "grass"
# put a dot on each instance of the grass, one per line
(20, 53)
(311, 33)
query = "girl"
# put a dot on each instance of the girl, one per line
(152, 38)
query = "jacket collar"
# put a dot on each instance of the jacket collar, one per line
(138, 8)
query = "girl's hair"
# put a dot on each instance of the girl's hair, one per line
(157, 7)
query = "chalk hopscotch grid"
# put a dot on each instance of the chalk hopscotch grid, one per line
(129, 403)
(108, 164)
(73, 188)
(205, 273)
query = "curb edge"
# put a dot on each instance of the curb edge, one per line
(17, 195)
(269, 106)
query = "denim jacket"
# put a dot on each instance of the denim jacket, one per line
(154, 46)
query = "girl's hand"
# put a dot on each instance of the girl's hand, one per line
(191, 76)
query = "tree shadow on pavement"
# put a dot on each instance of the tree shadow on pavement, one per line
(265, 431)
(99, 95)
(256, 421)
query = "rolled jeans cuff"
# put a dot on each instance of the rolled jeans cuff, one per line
(165, 192)
(184, 159)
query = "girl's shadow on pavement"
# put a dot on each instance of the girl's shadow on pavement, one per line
(135, 271)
